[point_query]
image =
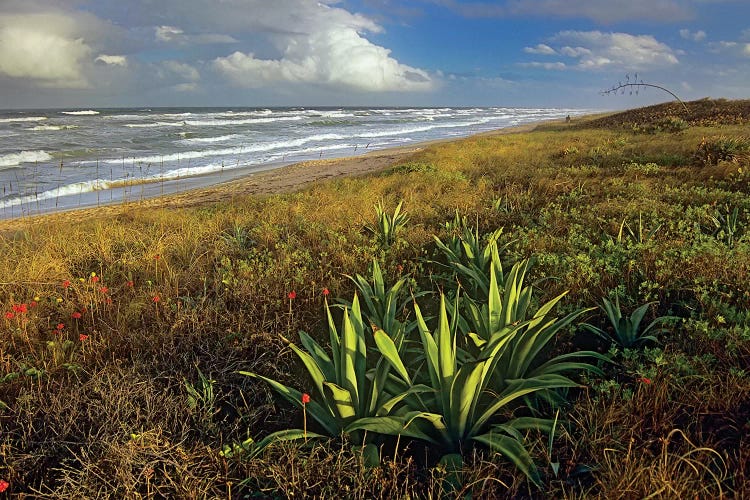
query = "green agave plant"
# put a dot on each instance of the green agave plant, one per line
(388, 225)
(462, 400)
(346, 389)
(626, 331)
(382, 305)
(506, 313)
(470, 259)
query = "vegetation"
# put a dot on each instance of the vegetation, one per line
(457, 368)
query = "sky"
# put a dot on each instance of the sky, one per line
(531, 53)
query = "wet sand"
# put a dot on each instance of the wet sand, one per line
(280, 180)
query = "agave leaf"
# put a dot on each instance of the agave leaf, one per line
(322, 414)
(340, 399)
(513, 450)
(319, 355)
(430, 348)
(405, 425)
(388, 349)
(317, 375)
(517, 389)
(463, 396)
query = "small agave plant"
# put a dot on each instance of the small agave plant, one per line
(347, 389)
(626, 331)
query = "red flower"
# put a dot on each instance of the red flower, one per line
(9, 315)
(104, 289)
(129, 284)
(156, 298)
(644, 380)
(305, 398)
(95, 279)
(156, 257)
(292, 295)
(82, 337)
(60, 326)
(20, 308)
(108, 301)
(76, 315)
(3, 485)
(33, 303)
(66, 283)
(326, 292)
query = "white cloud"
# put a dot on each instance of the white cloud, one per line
(327, 48)
(112, 60)
(172, 34)
(575, 51)
(167, 33)
(540, 49)
(697, 36)
(598, 50)
(180, 70)
(545, 65)
(185, 87)
(746, 50)
(44, 48)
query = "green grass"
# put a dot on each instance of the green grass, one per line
(112, 415)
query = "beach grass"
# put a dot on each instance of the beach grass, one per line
(123, 331)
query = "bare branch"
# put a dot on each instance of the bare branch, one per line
(639, 84)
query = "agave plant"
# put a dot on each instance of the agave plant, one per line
(346, 390)
(382, 305)
(626, 331)
(388, 225)
(469, 258)
(462, 400)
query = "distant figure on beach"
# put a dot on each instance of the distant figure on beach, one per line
(567, 119)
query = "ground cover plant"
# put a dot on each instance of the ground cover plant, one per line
(125, 342)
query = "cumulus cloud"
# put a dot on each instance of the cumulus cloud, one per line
(540, 49)
(179, 70)
(597, 50)
(44, 48)
(172, 34)
(545, 65)
(328, 48)
(697, 36)
(112, 60)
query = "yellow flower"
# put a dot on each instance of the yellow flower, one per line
(93, 274)
(37, 298)
(59, 299)
(81, 280)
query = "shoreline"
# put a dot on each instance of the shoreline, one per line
(279, 180)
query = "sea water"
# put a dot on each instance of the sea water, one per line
(61, 159)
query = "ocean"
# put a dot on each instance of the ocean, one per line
(54, 160)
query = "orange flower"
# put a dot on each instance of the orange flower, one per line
(645, 380)
(76, 315)
(9, 315)
(292, 295)
(4, 485)
(60, 326)
(95, 279)
(129, 284)
(66, 283)
(156, 298)
(82, 337)
(326, 292)
(104, 289)
(305, 398)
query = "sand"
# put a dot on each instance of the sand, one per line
(280, 180)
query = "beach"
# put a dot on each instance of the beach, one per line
(282, 179)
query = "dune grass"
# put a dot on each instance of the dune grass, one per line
(122, 338)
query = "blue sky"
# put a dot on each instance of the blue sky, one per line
(122, 53)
